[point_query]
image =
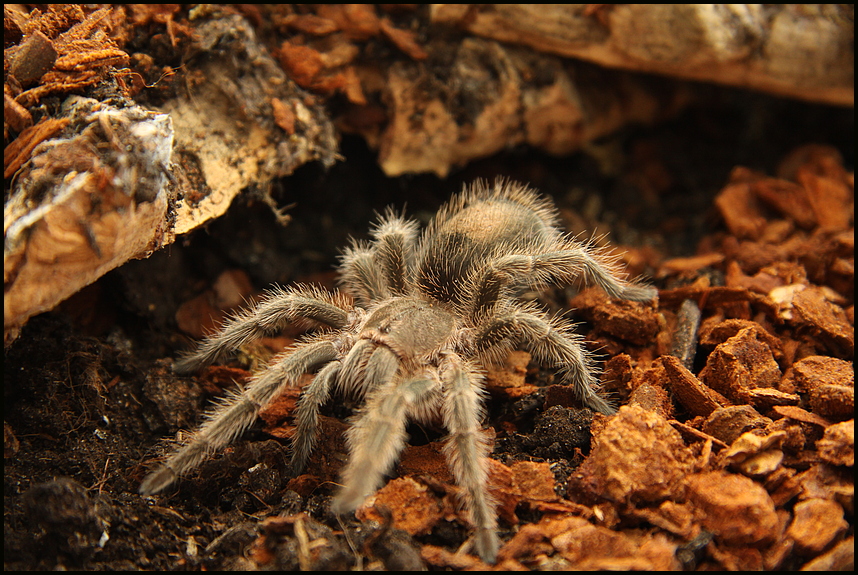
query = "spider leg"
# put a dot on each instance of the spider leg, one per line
(373, 272)
(352, 378)
(307, 414)
(278, 307)
(550, 340)
(394, 240)
(238, 411)
(361, 276)
(378, 435)
(565, 265)
(466, 448)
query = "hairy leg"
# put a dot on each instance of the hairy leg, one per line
(572, 262)
(238, 411)
(360, 275)
(378, 435)
(467, 450)
(395, 239)
(549, 340)
(278, 307)
(307, 414)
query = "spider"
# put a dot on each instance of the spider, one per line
(418, 318)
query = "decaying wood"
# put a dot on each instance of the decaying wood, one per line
(227, 132)
(786, 49)
(84, 204)
(492, 97)
(76, 211)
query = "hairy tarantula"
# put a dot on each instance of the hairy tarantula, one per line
(418, 320)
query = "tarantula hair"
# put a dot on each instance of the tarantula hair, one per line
(417, 319)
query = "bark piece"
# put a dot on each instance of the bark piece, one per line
(689, 391)
(713, 335)
(840, 558)
(221, 152)
(740, 364)
(637, 456)
(835, 402)
(813, 312)
(62, 233)
(736, 509)
(83, 205)
(816, 524)
(756, 455)
(826, 481)
(810, 372)
(482, 98)
(590, 547)
(634, 322)
(649, 391)
(728, 423)
(415, 508)
(779, 49)
(837, 446)
(511, 374)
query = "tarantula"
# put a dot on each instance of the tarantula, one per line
(410, 332)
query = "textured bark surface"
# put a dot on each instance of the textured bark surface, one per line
(785, 49)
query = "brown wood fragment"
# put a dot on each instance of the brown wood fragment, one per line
(357, 21)
(787, 198)
(311, 24)
(840, 558)
(20, 150)
(689, 264)
(690, 392)
(805, 374)
(736, 509)
(764, 398)
(637, 456)
(648, 391)
(837, 446)
(403, 39)
(684, 343)
(740, 208)
(283, 116)
(834, 402)
(741, 363)
(57, 18)
(756, 455)
(813, 311)
(728, 423)
(692, 435)
(15, 115)
(799, 414)
(414, 508)
(302, 63)
(712, 335)
(631, 321)
(748, 46)
(616, 379)
(35, 56)
(816, 524)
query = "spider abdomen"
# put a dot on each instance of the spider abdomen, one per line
(482, 230)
